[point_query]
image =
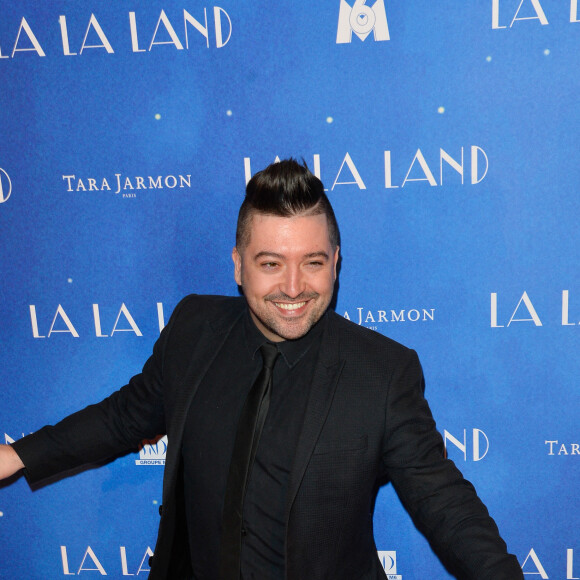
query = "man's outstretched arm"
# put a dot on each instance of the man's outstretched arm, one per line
(10, 462)
(443, 505)
(116, 425)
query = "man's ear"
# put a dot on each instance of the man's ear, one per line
(336, 256)
(237, 266)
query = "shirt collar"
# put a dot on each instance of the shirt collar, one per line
(292, 350)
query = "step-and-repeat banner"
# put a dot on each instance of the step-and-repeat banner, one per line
(447, 136)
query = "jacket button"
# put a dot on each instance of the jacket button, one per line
(160, 510)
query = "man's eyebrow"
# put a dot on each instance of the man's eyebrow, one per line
(320, 254)
(267, 254)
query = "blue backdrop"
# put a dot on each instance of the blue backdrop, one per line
(446, 134)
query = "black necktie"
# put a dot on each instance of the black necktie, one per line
(247, 437)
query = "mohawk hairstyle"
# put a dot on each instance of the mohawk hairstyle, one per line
(286, 188)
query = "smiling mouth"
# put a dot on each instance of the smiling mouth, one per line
(291, 306)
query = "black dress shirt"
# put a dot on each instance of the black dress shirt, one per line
(209, 439)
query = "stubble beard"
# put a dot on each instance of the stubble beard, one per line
(289, 328)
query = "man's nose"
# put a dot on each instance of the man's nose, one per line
(293, 284)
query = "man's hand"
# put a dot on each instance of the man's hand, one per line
(10, 462)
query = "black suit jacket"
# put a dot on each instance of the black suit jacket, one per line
(366, 421)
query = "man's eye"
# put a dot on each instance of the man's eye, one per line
(269, 265)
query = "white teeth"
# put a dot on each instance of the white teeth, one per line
(286, 306)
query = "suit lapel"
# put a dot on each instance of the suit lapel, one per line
(207, 346)
(324, 381)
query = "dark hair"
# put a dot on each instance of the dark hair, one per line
(285, 189)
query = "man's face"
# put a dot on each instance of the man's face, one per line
(287, 272)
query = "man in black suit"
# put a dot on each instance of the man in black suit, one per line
(346, 411)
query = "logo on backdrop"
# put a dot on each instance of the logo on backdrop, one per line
(389, 562)
(5, 186)
(533, 566)
(127, 186)
(144, 34)
(506, 13)
(362, 20)
(372, 318)
(523, 311)
(62, 323)
(399, 171)
(555, 447)
(89, 561)
(473, 447)
(153, 452)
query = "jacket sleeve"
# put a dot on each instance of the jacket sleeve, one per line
(443, 505)
(116, 425)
